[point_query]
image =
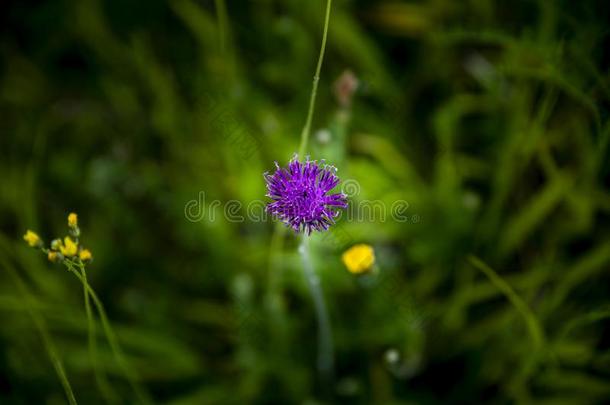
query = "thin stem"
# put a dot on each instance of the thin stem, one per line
(279, 231)
(518, 383)
(325, 340)
(111, 337)
(47, 341)
(325, 358)
(99, 375)
(221, 12)
(275, 247)
(533, 326)
(274, 299)
(316, 79)
(226, 48)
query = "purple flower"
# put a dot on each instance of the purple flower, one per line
(300, 195)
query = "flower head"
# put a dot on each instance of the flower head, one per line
(300, 195)
(32, 238)
(69, 248)
(52, 256)
(72, 220)
(359, 258)
(85, 255)
(59, 250)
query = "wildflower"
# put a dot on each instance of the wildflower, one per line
(69, 247)
(359, 258)
(32, 239)
(52, 256)
(299, 194)
(72, 220)
(85, 255)
(73, 225)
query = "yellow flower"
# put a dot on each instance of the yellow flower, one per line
(52, 256)
(72, 220)
(359, 258)
(32, 238)
(69, 248)
(85, 255)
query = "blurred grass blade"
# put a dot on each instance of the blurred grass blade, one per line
(42, 330)
(532, 323)
(525, 221)
(100, 376)
(112, 340)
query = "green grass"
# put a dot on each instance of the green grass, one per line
(490, 120)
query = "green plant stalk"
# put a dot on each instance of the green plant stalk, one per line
(44, 334)
(325, 359)
(278, 233)
(518, 385)
(221, 12)
(111, 337)
(100, 377)
(277, 239)
(532, 323)
(316, 80)
(582, 320)
(226, 47)
(274, 299)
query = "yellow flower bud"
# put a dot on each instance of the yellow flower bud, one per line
(359, 258)
(85, 255)
(32, 238)
(72, 220)
(52, 256)
(69, 248)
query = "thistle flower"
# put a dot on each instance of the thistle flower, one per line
(69, 248)
(359, 258)
(300, 195)
(32, 238)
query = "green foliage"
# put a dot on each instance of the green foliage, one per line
(489, 119)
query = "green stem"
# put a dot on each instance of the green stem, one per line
(99, 375)
(518, 383)
(221, 13)
(532, 323)
(111, 337)
(279, 231)
(276, 246)
(41, 325)
(277, 239)
(325, 340)
(314, 88)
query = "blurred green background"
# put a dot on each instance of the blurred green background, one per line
(488, 119)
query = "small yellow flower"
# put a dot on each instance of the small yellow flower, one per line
(85, 255)
(69, 248)
(52, 256)
(359, 258)
(72, 220)
(32, 238)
